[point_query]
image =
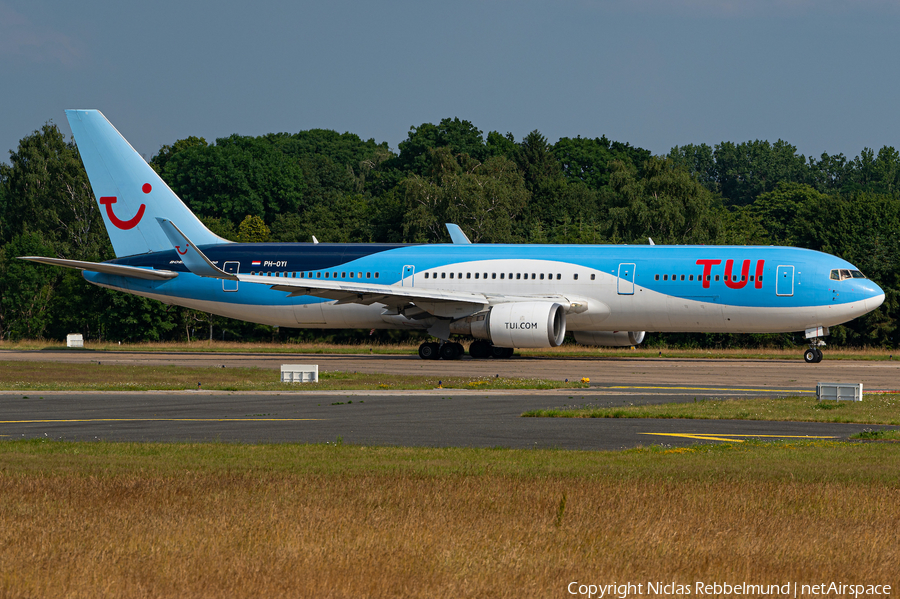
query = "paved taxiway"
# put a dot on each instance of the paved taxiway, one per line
(775, 374)
(437, 418)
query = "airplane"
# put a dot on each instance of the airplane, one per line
(504, 296)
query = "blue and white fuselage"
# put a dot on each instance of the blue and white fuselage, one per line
(652, 288)
(504, 296)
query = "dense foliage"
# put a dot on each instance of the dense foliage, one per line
(341, 188)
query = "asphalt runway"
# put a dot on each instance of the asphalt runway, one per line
(441, 418)
(435, 418)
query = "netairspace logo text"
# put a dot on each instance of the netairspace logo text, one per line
(790, 589)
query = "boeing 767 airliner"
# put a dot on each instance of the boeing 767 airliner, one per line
(505, 296)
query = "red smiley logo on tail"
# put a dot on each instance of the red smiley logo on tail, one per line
(178, 249)
(108, 201)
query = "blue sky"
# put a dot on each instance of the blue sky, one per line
(821, 75)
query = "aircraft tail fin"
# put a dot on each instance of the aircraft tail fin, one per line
(129, 192)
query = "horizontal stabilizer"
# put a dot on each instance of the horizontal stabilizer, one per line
(457, 235)
(193, 259)
(106, 268)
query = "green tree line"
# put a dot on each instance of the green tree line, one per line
(290, 186)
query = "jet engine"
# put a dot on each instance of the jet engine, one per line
(516, 324)
(609, 338)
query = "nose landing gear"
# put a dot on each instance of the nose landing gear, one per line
(813, 355)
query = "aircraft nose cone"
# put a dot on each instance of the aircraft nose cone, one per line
(875, 301)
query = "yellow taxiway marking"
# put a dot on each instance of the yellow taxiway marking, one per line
(728, 437)
(713, 389)
(160, 420)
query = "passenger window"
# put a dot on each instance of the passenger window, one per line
(593, 276)
(318, 275)
(351, 274)
(558, 276)
(368, 275)
(376, 275)
(542, 276)
(717, 277)
(476, 275)
(494, 275)
(334, 274)
(426, 275)
(451, 275)
(518, 275)
(532, 276)
(443, 275)
(665, 277)
(485, 276)
(326, 275)
(656, 278)
(576, 276)
(343, 275)
(358, 275)
(682, 277)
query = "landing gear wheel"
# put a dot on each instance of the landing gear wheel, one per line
(819, 355)
(429, 351)
(480, 349)
(451, 351)
(812, 356)
(502, 352)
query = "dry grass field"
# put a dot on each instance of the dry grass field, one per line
(132, 520)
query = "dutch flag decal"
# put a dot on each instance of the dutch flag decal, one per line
(255, 263)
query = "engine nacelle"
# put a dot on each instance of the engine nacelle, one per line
(516, 324)
(609, 338)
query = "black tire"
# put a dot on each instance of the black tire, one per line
(428, 351)
(451, 351)
(810, 356)
(480, 349)
(502, 352)
(819, 355)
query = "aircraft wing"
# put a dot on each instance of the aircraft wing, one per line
(438, 302)
(104, 267)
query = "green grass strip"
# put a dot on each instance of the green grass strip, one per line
(874, 409)
(54, 376)
(857, 462)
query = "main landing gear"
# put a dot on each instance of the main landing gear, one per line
(451, 350)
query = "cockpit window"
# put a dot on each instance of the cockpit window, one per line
(839, 274)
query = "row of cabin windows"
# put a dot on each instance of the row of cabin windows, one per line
(316, 275)
(503, 275)
(700, 278)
